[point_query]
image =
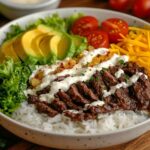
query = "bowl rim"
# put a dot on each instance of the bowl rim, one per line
(21, 6)
(28, 127)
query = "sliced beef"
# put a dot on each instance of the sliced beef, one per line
(45, 108)
(135, 97)
(111, 101)
(58, 105)
(76, 96)
(96, 84)
(67, 100)
(142, 91)
(32, 99)
(44, 91)
(124, 100)
(131, 68)
(42, 106)
(86, 91)
(79, 116)
(123, 78)
(108, 78)
(95, 110)
(74, 116)
(114, 69)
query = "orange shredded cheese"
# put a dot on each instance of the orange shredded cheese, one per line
(136, 45)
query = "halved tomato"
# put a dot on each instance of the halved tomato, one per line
(115, 27)
(97, 38)
(83, 24)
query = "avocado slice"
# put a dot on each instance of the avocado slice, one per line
(44, 45)
(62, 46)
(18, 48)
(80, 43)
(7, 50)
(36, 43)
(23, 45)
(26, 42)
(49, 30)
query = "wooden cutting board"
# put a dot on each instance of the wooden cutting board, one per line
(141, 143)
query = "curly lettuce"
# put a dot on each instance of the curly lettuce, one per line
(55, 21)
(13, 82)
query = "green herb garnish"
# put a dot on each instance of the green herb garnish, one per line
(121, 62)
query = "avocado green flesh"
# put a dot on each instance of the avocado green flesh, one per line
(80, 43)
(7, 50)
(43, 43)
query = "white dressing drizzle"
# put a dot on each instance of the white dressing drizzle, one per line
(130, 82)
(119, 73)
(78, 73)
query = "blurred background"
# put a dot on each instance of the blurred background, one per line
(11, 9)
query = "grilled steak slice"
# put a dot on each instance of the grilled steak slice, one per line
(124, 101)
(123, 78)
(44, 108)
(96, 84)
(79, 116)
(112, 101)
(67, 100)
(135, 97)
(142, 91)
(109, 79)
(114, 69)
(58, 105)
(44, 91)
(76, 96)
(131, 68)
(74, 116)
(32, 99)
(87, 92)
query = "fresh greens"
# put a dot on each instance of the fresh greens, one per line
(14, 75)
(14, 31)
(13, 81)
(55, 21)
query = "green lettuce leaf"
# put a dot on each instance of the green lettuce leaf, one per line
(13, 81)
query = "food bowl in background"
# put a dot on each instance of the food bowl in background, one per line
(13, 8)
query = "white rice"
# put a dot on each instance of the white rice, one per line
(61, 124)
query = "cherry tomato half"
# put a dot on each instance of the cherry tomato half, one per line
(83, 24)
(115, 27)
(97, 38)
(141, 8)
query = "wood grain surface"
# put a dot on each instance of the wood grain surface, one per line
(141, 143)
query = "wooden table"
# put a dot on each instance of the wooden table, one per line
(141, 143)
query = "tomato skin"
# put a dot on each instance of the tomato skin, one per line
(120, 5)
(141, 8)
(97, 38)
(83, 24)
(115, 27)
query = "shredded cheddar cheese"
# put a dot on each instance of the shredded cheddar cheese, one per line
(136, 45)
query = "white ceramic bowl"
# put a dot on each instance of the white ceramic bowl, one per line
(70, 141)
(14, 10)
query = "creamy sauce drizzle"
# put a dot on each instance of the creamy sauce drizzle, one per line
(119, 73)
(78, 73)
(130, 82)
